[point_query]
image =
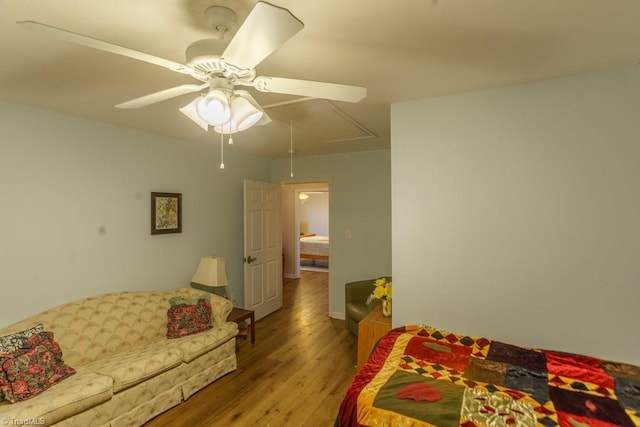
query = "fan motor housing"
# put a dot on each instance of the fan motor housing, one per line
(204, 55)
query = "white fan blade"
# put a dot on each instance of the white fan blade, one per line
(265, 29)
(190, 111)
(47, 30)
(309, 88)
(162, 95)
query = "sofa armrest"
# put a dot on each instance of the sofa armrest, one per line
(358, 291)
(220, 309)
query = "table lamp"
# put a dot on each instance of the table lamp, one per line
(210, 275)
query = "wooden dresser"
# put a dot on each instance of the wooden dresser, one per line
(370, 329)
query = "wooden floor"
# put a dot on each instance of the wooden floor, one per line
(295, 375)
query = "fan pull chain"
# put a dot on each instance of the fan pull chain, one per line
(291, 149)
(221, 151)
(230, 135)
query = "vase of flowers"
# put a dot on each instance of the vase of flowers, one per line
(384, 292)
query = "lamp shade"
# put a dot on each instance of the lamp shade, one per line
(190, 111)
(245, 112)
(210, 273)
(214, 108)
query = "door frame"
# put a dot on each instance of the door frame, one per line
(301, 187)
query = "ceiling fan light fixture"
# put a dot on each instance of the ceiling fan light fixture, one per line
(191, 112)
(214, 108)
(244, 113)
(250, 120)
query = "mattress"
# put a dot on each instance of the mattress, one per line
(421, 376)
(314, 245)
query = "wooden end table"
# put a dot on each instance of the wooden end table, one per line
(237, 315)
(370, 329)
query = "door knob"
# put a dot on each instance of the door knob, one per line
(249, 259)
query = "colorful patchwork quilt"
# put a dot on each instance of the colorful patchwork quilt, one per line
(420, 376)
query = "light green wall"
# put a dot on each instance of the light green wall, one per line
(359, 201)
(516, 213)
(76, 209)
(76, 214)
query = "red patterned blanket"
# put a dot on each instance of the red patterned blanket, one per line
(427, 377)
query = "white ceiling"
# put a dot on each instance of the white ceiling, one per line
(399, 50)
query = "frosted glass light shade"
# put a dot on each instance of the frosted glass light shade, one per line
(214, 108)
(245, 112)
(190, 111)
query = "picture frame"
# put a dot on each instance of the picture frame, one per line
(166, 213)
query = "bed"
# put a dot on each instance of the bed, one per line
(314, 247)
(421, 376)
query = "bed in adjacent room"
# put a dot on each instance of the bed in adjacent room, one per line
(314, 247)
(420, 376)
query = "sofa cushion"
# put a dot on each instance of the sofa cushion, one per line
(186, 318)
(135, 365)
(81, 391)
(32, 369)
(194, 346)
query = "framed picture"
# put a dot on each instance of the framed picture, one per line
(166, 213)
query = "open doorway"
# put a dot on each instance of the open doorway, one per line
(314, 229)
(305, 228)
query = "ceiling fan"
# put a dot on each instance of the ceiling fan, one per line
(220, 105)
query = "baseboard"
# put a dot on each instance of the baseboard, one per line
(320, 269)
(339, 316)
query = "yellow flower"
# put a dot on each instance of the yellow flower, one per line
(383, 290)
(379, 292)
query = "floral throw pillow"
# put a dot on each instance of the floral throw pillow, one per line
(12, 342)
(33, 369)
(186, 319)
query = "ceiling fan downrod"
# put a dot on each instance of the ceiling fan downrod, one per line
(221, 19)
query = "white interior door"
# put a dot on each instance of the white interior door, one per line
(262, 248)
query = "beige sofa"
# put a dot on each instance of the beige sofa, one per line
(127, 370)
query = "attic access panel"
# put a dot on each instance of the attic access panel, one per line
(320, 121)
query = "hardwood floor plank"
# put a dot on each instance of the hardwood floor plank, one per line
(299, 392)
(295, 375)
(305, 407)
